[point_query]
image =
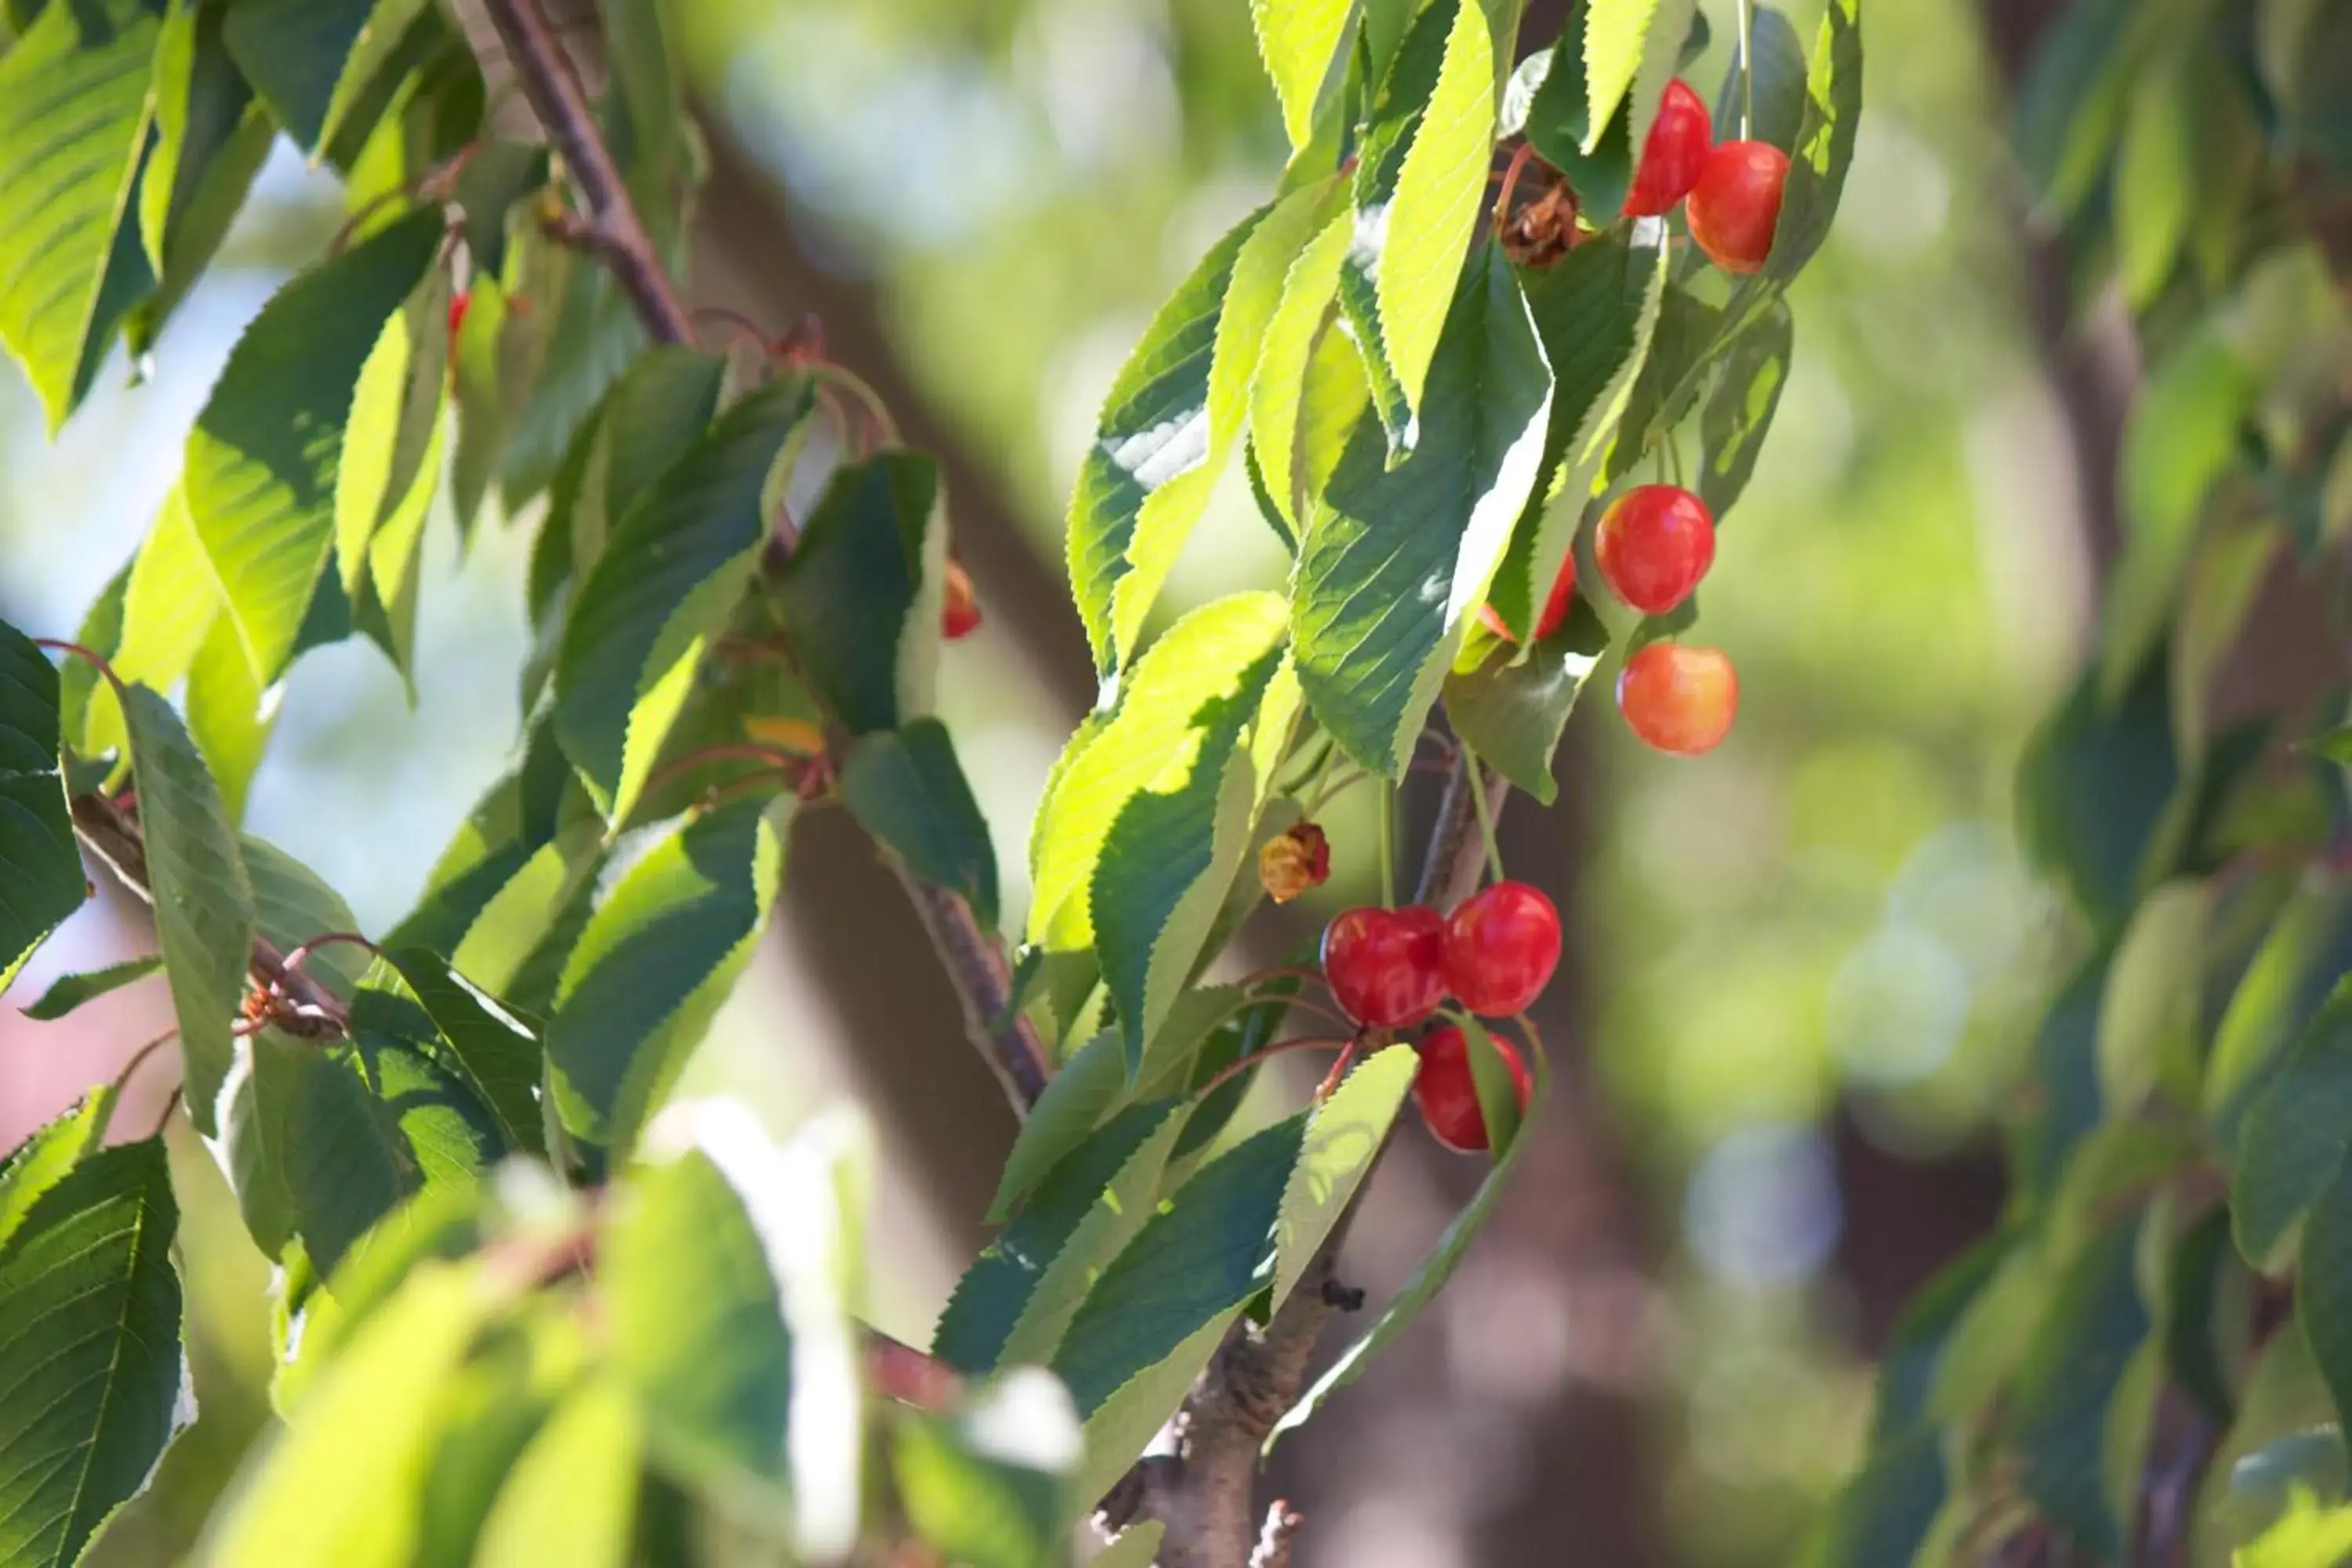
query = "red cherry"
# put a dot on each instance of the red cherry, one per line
(1735, 205)
(960, 617)
(1555, 608)
(1671, 156)
(1448, 1094)
(1501, 947)
(458, 302)
(1385, 967)
(1678, 698)
(1655, 542)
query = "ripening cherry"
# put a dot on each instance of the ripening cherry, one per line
(1501, 946)
(1673, 154)
(1385, 967)
(1735, 205)
(1555, 608)
(960, 616)
(1678, 698)
(1448, 1094)
(1654, 544)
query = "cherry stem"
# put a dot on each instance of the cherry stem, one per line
(1527, 150)
(96, 660)
(1485, 817)
(1320, 1011)
(1747, 78)
(847, 380)
(1279, 1048)
(139, 1060)
(782, 761)
(171, 1103)
(1338, 1070)
(296, 959)
(1388, 845)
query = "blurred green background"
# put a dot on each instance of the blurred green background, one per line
(1805, 966)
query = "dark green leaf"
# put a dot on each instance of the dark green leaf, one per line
(211, 138)
(312, 61)
(1776, 68)
(69, 992)
(1016, 1300)
(91, 1360)
(1513, 709)
(263, 458)
(905, 787)
(75, 124)
(2071, 101)
(1823, 151)
(312, 1151)
(1207, 1250)
(1595, 313)
(2295, 1133)
(589, 335)
(1884, 1513)
(657, 958)
(864, 593)
(493, 1050)
(696, 1324)
(646, 422)
(38, 863)
(2301, 958)
(1559, 127)
(2323, 1302)
(668, 579)
(1630, 51)
(495, 180)
(1739, 413)
(204, 918)
(2070, 1379)
(2093, 791)
(1395, 562)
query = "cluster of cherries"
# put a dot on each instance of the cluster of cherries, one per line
(1392, 968)
(1655, 541)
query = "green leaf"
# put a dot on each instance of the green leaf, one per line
(1297, 43)
(1739, 413)
(293, 905)
(1345, 1134)
(905, 787)
(43, 1158)
(2155, 168)
(263, 457)
(651, 416)
(493, 1051)
(2322, 1299)
(1395, 562)
(2070, 1379)
(1016, 1300)
(572, 1496)
(343, 1484)
(659, 957)
(1118, 1428)
(1886, 1513)
(1490, 1078)
(69, 992)
(986, 1491)
(203, 898)
(2283, 988)
(391, 441)
(2075, 90)
(1279, 386)
(92, 1362)
(1512, 710)
(1430, 1277)
(697, 1320)
(313, 60)
(38, 863)
(311, 1151)
(666, 582)
(1824, 150)
(1559, 126)
(2307, 1536)
(75, 120)
(1419, 209)
(1207, 1250)
(211, 139)
(1158, 431)
(2295, 1133)
(1595, 313)
(2093, 787)
(865, 589)
(1775, 82)
(226, 715)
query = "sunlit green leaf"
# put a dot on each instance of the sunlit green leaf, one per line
(495, 1052)
(1345, 1133)
(1279, 385)
(1297, 43)
(1740, 411)
(211, 138)
(905, 787)
(51, 1149)
(264, 455)
(572, 1496)
(75, 122)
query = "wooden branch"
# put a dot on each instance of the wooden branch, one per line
(615, 234)
(1206, 1496)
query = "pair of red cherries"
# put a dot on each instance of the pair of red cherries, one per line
(1391, 969)
(1734, 190)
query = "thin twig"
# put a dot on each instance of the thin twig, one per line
(615, 234)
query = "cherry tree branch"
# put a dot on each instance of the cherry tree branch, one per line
(1206, 1493)
(613, 232)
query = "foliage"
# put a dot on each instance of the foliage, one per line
(523, 1305)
